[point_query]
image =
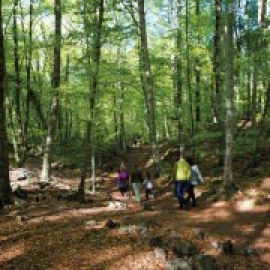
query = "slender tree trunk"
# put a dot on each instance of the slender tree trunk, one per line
(197, 68)
(122, 121)
(178, 60)
(5, 189)
(115, 120)
(254, 104)
(148, 82)
(248, 108)
(53, 114)
(93, 87)
(261, 126)
(28, 81)
(189, 91)
(16, 111)
(229, 86)
(262, 11)
(122, 130)
(218, 101)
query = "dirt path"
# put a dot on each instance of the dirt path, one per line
(67, 235)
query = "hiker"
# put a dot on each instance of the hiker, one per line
(195, 180)
(136, 182)
(148, 186)
(123, 180)
(181, 175)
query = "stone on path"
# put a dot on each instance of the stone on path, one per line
(201, 233)
(147, 206)
(251, 252)
(160, 254)
(156, 241)
(227, 247)
(112, 224)
(178, 264)
(205, 262)
(184, 248)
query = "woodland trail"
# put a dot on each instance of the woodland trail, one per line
(67, 235)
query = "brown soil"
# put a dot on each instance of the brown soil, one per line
(53, 234)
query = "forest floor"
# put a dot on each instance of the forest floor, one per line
(52, 233)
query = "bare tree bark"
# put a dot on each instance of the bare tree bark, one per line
(93, 73)
(28, 77)
(189, 91)
(218, 101)
(53, 114)
(229, 86)
(197, 68)
(148, 85)
(179, 83)
(5, 189)
(16, 109)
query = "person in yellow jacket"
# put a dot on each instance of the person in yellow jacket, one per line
(181, 176)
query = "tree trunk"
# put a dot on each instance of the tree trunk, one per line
(122, 130)
(148, 83)
(178, 64)
(218, 101)
(93, 75)
(197, 68)
(262, 11)
(5, 189)
(28, 82)
(189, 91)
(53, 114)
(16, 111)
(229, 86)
(254, 105)
(122, 121)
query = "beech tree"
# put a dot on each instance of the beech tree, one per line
(229, 88)
(54, 110)
(5, 189)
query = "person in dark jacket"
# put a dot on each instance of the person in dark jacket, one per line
(136, 182)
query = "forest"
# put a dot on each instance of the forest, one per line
(89, 87)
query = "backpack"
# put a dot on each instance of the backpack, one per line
(195, 178)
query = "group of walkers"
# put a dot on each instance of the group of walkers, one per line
(185, 176)
(137, 182)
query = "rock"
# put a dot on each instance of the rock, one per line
(112, 224)
(43, 184)
(201, 233)
(20, 193)
(205, 262)
(20, 219)
(227, 247)
(150, 224)
(20, 202)
(133, 229)
(147, 206)
(156, 241)
(251, 252)
(57, 165)
(160, 254)
(174, 234)
(18, 174)
(184, 248)
(91, 223)
(178, 264)
(215, 245)
(117, 205)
